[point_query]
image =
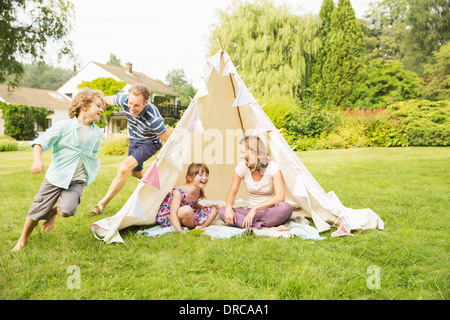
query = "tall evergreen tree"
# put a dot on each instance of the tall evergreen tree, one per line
(315, 83)
(325, 17)
(344, 66)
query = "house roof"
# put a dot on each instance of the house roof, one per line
(34, 97)
(138, 78)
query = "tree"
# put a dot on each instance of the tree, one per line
(109, 87)
(44, 76)
(344, 65)
(437, 75)
(272, 47)
(27, 27)
(385, 25)
(176, 80)
(428, 29)
(391, 40)
(386, 82)
(325, 14)
(113, 60)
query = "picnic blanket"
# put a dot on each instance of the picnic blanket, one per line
(303, 231)
(297, 224)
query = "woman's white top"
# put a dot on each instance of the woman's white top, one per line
(258, 191)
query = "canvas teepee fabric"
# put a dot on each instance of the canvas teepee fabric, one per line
(219, 116)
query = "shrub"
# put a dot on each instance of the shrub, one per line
(410, 122)
(278, 109)
(426, 122)
(343, 137)
(170, 122)
(20, 120)
(357, 128)
(332, 141)
(378, 126)
(8, 144)
(299, 143)
(116, 145)
(310, 120)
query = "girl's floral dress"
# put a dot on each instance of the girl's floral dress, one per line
(163, 215)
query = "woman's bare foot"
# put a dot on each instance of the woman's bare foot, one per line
(279, 228)
(50, 223)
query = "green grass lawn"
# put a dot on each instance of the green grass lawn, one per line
(407, 187)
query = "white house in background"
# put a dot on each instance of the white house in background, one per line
(59, 101)
(47, 99)
(94, 70)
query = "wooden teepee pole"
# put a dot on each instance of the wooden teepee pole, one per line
(232, 85)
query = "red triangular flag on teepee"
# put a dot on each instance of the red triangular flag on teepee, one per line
(152, 177)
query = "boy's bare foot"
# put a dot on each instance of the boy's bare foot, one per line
(50, 223)
(19, 245)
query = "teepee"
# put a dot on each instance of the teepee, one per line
(220, 114)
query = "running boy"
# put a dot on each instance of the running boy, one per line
(75, 144)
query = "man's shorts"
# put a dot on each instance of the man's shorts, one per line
(142, 150)
(49, 194)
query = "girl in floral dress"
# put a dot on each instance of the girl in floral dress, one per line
(181, 208)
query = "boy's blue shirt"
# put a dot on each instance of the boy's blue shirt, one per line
(67, 151)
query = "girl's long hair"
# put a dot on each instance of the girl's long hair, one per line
(255, 144)
(193, 169)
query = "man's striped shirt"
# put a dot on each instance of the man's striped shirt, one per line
(147, 125)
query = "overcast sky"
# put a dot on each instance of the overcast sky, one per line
(158, 35)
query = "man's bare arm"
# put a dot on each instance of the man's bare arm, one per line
(109, 100)
(165, 136)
